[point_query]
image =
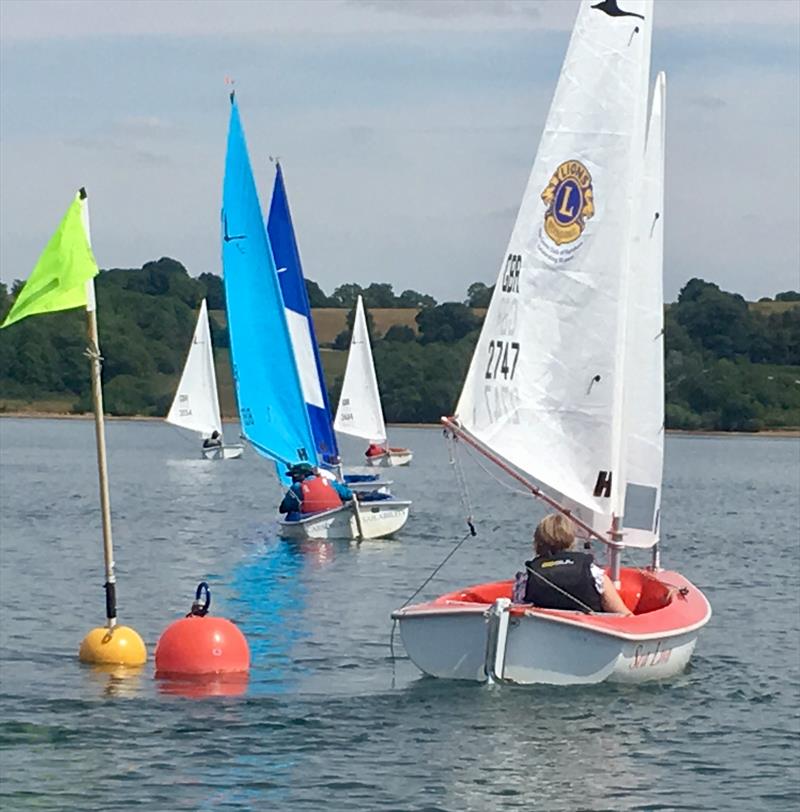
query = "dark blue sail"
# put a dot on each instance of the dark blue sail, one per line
(268, 393)
(301, 325)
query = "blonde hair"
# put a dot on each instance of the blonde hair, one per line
(555, 533)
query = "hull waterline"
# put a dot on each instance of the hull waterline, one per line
(477, 634)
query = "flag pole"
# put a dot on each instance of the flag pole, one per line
(95, 360)
(112, 643)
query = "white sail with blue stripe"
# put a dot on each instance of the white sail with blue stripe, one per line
(268, 391)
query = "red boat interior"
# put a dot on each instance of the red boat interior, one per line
(641, 590)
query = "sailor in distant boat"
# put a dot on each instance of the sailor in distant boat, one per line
(375, 450)
(214, 441)
(310, 492)
(562, 578)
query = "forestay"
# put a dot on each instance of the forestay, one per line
(301, 326)
(545, 389)
(360, 413)
(271, 404)
(196, 403)
(644, 362)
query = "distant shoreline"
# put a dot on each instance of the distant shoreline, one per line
(787, 432)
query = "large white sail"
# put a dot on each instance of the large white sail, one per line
(359, 412)
(644, 362)
(544, 389)
(196, 403)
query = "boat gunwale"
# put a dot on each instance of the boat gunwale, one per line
(596, 622)
(324, 514)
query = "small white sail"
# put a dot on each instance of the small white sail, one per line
(196, 403)
(644, 362)
(359, 412)
(544, 388)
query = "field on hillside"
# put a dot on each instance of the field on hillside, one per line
(768, 308)
(330, 321)
(333, 364)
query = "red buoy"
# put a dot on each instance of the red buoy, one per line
(201, 644)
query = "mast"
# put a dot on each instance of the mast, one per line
(95, 359)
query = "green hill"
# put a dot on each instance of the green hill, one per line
(730, 364)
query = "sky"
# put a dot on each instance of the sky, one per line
(406, 130)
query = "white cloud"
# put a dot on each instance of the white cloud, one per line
(57, 19)
(405, 155)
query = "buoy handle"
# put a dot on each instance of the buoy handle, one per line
(200, 608)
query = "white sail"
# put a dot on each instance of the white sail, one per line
(196, 403)
(544, 388)
(359, 412)
(644, 362)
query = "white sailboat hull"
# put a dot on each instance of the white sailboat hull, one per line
(222, 452)
(392, 459)
(539, 651)
(378, 520)
(455, 637)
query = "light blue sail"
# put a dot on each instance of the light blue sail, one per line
(271, 405)
(301, 326)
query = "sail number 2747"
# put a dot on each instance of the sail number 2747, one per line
(503, 357)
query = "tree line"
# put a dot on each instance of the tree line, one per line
(729, 365)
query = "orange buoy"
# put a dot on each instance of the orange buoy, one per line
(201, 644)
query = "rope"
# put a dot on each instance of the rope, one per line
(477, 460)
(470, 533)
(461, 481)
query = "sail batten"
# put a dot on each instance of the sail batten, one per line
(360, 413)
(268, 390)
(196, 403)
(544, 389)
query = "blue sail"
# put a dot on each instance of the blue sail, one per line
(271, 404)
(301, 325)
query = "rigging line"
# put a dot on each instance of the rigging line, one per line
(461, 482)
(497, 479)
(470, 532)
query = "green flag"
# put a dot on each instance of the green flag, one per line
(58, 282)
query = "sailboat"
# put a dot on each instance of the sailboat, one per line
(269, 392)
(286, 254)
(196, 403)
(360, 413)
(565, 389)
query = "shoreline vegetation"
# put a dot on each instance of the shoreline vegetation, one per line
(789, 431)
(730, 365)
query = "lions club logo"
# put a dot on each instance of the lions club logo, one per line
(570, 202)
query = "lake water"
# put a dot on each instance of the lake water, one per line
(327, 719)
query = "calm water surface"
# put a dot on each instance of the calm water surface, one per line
(327, 719)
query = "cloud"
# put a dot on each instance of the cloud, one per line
(25, 20)
(406, 136)
(451, 9)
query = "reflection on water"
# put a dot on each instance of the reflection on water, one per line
(116, 680)
(201, 686)
(270, 595)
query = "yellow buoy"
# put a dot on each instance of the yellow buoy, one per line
(120, 645)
